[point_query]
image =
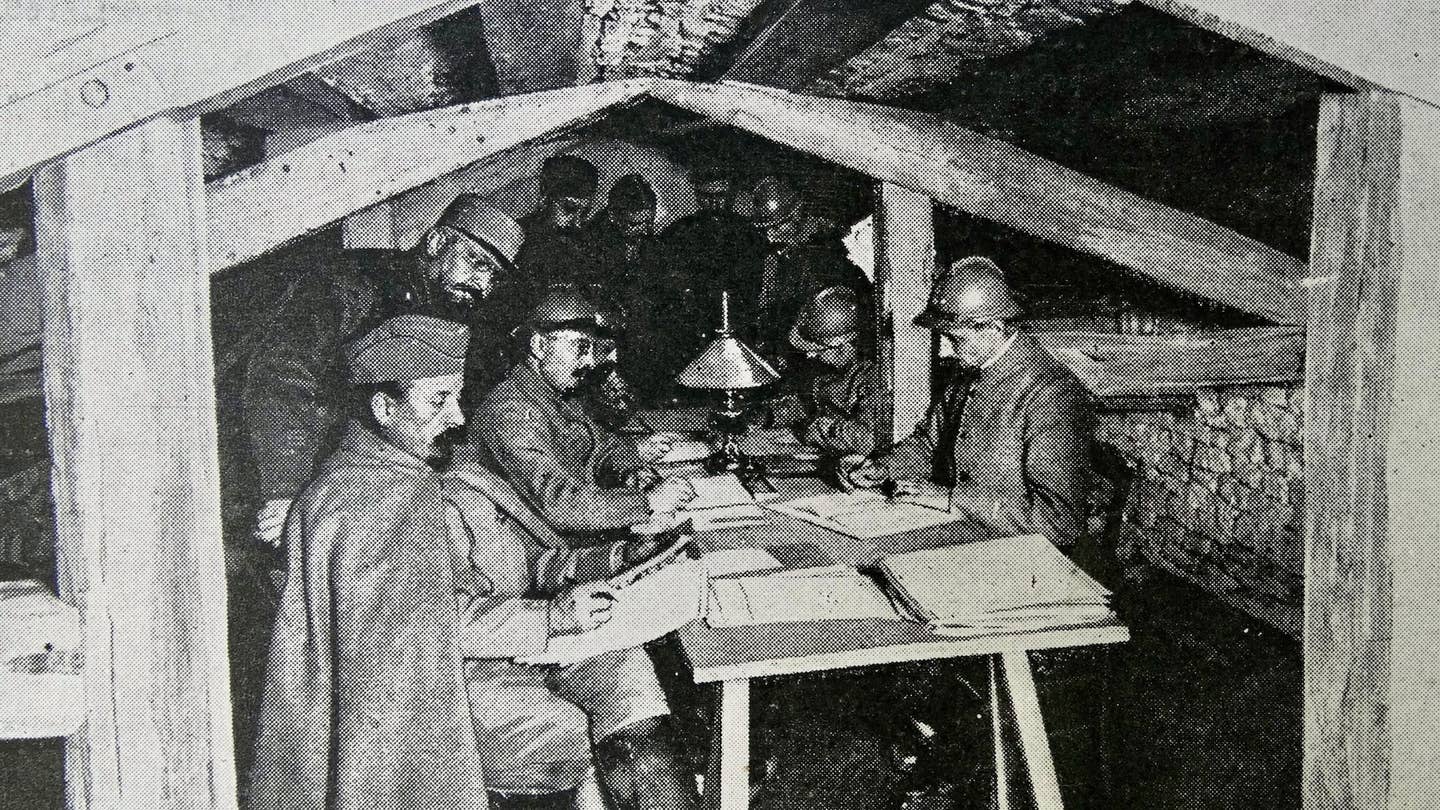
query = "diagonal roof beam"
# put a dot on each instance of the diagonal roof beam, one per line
(314, 185)
(138, 69)
(1003, 183)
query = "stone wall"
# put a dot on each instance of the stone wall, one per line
(1219, 494)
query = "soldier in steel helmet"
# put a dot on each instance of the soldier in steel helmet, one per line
(293, 381)
(804, 255)
(836, 413)
(554, 243)
(1008, 435)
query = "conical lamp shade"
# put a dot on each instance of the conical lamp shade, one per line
(727, 364)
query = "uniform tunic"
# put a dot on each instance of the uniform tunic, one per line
(1011, 441)
(363, 706)
(534, 724)
(843, 417)
(566, 467)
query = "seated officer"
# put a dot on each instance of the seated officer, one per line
(583, 478)
(1009, 433)
(535, 724)
(837, 414)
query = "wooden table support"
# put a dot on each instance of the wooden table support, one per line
(727, 787)
(1020, 682)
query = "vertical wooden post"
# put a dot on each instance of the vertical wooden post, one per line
(130, 400)
(904, 267)
(1372, 580)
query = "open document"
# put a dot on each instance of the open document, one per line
(825, 595)
(866, 515)
(650, 607)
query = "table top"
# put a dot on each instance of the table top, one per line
(718, 654)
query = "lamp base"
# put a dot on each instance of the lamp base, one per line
(729, 460)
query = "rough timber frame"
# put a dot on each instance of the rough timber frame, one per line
(1371, 730)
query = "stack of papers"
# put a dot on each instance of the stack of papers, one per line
(685, 450)
(648, 609)
(1017, 583)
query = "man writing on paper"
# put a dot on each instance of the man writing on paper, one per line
(837, 413)
(583, 478)
(1008, 434)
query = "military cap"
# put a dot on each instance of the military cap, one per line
(776, 201)
(973, 290)
(632, 193)
(482, 221)
(567, 176)
(829, 319)
(407, 348)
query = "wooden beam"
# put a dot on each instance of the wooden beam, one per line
(810, 37)
(1003, 183)
(1372, 544)
(1387, 44)
(328, 179)
(1139, 366)
(198, 62)
(130, 404)
(904, 267)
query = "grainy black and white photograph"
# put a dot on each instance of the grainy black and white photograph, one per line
(724, 404)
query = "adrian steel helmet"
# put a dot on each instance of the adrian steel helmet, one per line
(972, 290)
(479, 219)
(829, 319)
(567, 307)
(776, 201)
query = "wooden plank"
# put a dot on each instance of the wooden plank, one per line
(130, 403)
(1003, 183)
(1128, 366)
(1386, 44)
(136, 69)
(1034, 744)
(1372, 543)
(904, 268)
(40, 663)
(805, 38)
(728, 785)
(310, 187)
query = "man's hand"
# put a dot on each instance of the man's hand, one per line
(670, 495)
(638, 551)
(583, 607)
(858, 471)
(270, 523)
(654, 447)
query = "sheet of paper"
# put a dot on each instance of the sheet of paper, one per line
(731, 561)
(687, 450)
(728, 517)
(712, 491)
(770, 599)
(863, 515)
(653, 606)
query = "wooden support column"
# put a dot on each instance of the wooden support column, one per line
(130, 400)
(1372, 459)
(904, 266)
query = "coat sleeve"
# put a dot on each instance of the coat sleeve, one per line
(519, 439)
(1056, 473)
(913, 458)
(847, 429)
(492, 624)
(284, 412)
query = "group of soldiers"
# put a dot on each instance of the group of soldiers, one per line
(435, 437)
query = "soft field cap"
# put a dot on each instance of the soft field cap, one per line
(408, 348)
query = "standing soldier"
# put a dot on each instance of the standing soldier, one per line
(804, 256)
(294, 382)
(554, 247)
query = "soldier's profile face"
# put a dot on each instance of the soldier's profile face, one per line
(837, 356)
(971, 344)
(636, 224)
(464, 272)
(564, 357)
(428, 408)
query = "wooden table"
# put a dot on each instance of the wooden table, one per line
(732, 656)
